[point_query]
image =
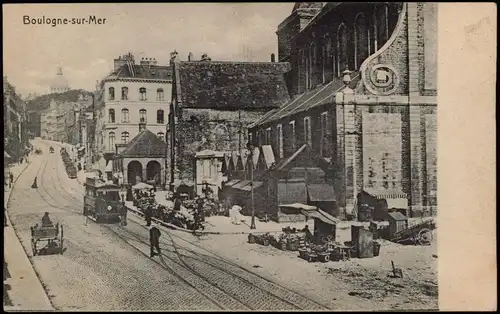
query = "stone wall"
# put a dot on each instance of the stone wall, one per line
(201, 129)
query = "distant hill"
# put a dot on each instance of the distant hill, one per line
(41, 103)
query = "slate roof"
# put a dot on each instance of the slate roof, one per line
(231, 85)
(158, 72)
(319, 96)
(145, 144)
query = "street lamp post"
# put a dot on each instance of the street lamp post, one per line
(251, 148)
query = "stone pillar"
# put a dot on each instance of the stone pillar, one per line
(339, 153)
(162, 174)
(350, 147)
(416, 158)
(125, 171)
(406, 154)
(144, 171)
(358, 149)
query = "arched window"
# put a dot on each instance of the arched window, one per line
(125, 137)
(111, 140)
(312, 65)
(124, 93)
(329, 64)
(161, 135)
(111, 92)
(362, 40)
(125, 116)
(142, 93)
(160, 116)
(382, 24)
(142, 116)
(159, 94)
(342, 57)
(323, 59)
(111, 114)
(305, 61)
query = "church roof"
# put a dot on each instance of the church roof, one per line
(145, 145)
(231, 85)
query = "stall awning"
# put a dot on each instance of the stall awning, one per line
(386, 193)
(256, 185)
(81, 148)
(321, 193)
(241, 184)
(231, 183)
(109, 167)
(321, 215)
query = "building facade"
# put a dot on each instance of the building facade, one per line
(213, 102)
(371, 128)
(132, 98)
(15, 122)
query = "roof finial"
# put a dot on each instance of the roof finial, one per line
(59, 71)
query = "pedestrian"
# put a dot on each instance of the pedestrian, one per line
(34, 185)
(177, 202)
(5, 224)
(11, 181)
(21, 161)
(154, 240)
(235, 214)
(148, 213)
(124, 212)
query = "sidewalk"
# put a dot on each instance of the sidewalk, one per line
(25, 292)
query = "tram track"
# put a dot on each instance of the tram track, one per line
(226, 294)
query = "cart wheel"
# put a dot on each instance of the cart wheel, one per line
(424, 237)
(325, 258)
(345, 256)
(62, 240)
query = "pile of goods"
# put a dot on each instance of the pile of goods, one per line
(263, 239)
(289, 240)
(183, 218)
(70, 167)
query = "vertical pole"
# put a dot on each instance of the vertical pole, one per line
(252, 225)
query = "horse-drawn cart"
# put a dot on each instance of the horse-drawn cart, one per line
(53, 235)
(418, 233)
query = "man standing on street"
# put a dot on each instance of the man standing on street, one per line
(11, 181)
(148, 213)
(154, 240)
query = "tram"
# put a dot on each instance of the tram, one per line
(102, 201)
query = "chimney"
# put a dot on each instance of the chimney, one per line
(273, 57)
(118, 63)
(190, 56)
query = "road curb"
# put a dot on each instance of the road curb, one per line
(20, 243)
(168, 225)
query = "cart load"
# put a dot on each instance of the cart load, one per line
(52, 236)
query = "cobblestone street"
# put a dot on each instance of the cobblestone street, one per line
(107, 267)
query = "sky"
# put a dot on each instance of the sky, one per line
(32, 53)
